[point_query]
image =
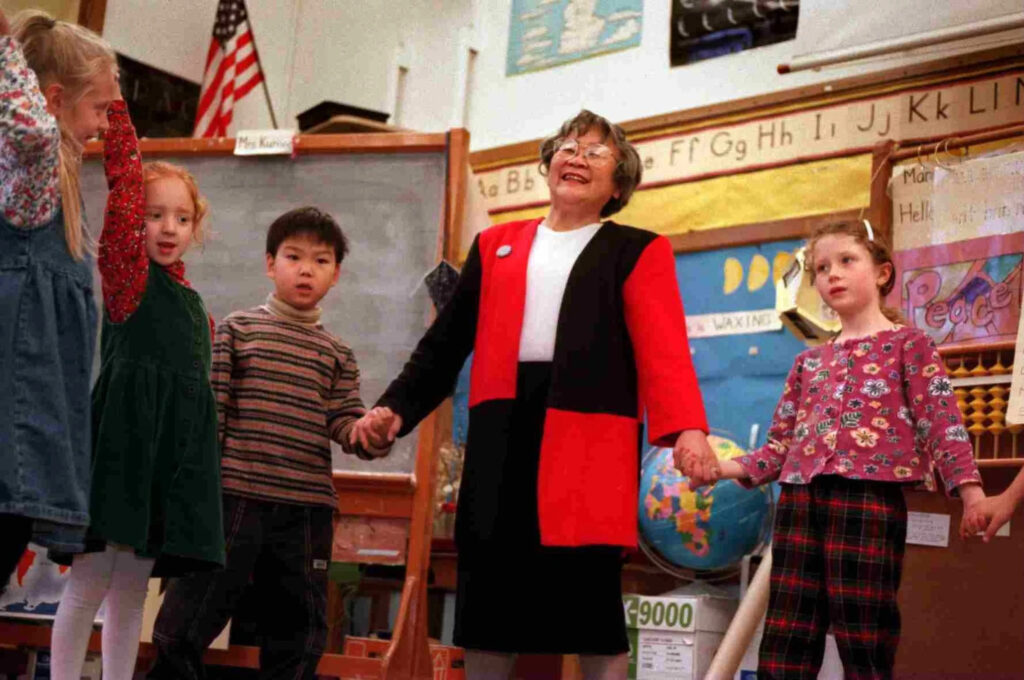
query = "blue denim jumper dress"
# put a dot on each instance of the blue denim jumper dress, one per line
(48, 324)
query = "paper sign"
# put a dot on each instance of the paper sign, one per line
(965, 200)
(264, 142)
(1015, 409)
(732, 323)
(663, 656)
(928, 528)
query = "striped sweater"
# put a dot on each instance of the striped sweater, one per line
(285, 388)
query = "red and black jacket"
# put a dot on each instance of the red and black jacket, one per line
(620, 351)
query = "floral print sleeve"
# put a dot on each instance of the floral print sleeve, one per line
(765, 464)
(29, 143)
(123, 263)
(938, 423)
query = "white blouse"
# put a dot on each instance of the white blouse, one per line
(552, 256)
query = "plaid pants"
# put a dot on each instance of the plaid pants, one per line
(837, 555)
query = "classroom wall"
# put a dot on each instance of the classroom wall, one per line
(351, 52)
(634, 83)
(311, 51)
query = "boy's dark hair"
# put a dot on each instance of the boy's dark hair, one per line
(307, 221)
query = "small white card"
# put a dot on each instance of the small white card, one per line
(928, 528)
(1003, 531)
(264, 142)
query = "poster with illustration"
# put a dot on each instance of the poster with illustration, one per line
(546, 33)
(705, 29)
(966, 292)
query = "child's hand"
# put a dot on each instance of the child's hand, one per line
(987, 515)
(376, 429)
(695, 459)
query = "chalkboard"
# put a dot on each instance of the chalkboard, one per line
(390, 207)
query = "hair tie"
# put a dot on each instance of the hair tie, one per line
(871, 232)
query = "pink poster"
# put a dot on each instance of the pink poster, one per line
(964, 293)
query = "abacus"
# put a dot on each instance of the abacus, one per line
(981, 380)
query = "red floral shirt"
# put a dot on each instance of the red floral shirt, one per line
(123, 262)
(29, 144)
(877, 408)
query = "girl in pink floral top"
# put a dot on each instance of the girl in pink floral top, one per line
(859, 418)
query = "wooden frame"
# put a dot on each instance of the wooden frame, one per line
(92, 14)
(384, 495)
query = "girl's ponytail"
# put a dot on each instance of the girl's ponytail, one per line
(72, 56)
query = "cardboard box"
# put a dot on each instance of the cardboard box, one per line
(675, 637)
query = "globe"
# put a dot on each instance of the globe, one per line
(707, 530)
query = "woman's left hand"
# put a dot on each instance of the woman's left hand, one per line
(695, 459)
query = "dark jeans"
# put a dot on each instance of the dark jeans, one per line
(285, 550)
(15, 532)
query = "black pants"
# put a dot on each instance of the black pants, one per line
(15, 532)
(285, 550)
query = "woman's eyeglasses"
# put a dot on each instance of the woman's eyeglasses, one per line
(592, 153)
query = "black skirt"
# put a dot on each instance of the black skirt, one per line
(515, 595)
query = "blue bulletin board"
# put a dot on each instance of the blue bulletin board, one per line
(741, 373)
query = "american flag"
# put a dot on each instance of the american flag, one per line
(232, 69)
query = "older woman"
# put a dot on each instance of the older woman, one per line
(577, 330)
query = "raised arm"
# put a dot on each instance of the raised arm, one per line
(123, 264)
(29, 141)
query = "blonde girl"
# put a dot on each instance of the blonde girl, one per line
(56, 82)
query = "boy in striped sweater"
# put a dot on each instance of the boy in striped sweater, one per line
(285, 389)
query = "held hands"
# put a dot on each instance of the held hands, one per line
(986, 514)
(377, 429)
(695, 459)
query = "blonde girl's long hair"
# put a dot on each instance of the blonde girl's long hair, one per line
(72, 56)
(880, 254)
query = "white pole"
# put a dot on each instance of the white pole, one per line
(744, 623)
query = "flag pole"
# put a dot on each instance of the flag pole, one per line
(263, 73)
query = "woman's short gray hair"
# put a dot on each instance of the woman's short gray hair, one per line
(628, 171)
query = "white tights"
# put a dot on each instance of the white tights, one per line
(118, 576)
